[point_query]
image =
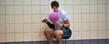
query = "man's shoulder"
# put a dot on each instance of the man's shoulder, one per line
(63, 12)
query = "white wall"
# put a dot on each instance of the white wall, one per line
(20, 20)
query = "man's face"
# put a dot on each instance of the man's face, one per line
(55, 9)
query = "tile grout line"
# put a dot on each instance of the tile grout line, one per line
(81, 22)
(5, 23)
(89, 23)
(97, 24)
(105, 21)
(23, 22)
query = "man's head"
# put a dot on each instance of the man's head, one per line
(55, 5)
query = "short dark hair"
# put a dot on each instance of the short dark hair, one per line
(54, 3)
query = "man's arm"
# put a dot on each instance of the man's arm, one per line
(48, 23)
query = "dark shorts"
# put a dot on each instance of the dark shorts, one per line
(66, 31)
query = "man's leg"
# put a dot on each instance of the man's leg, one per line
(49, 35)
(58, 35)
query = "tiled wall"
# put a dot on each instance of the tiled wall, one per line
(20, 20)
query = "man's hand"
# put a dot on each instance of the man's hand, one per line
(44, 20)
(66, 25)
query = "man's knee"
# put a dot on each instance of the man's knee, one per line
(47, 31)
(58, 32)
